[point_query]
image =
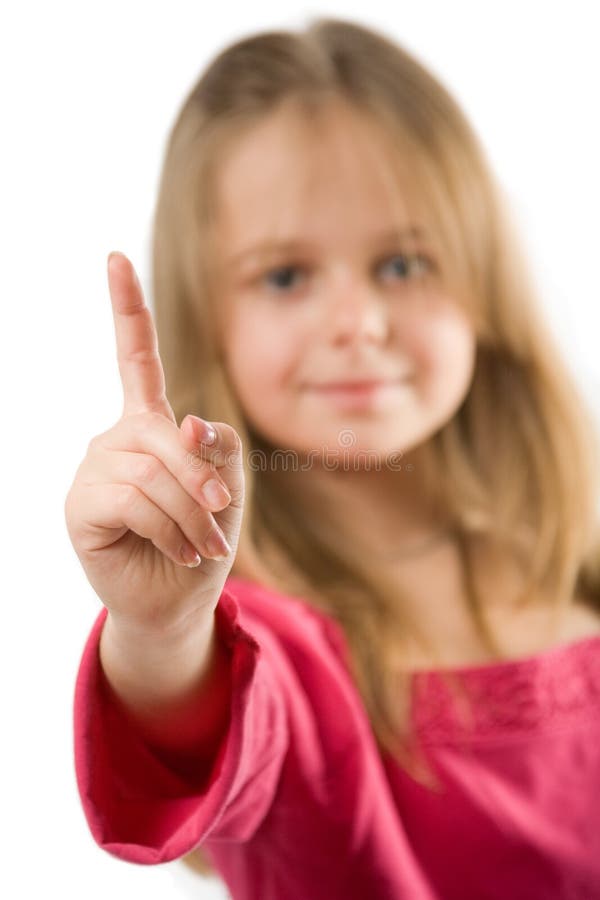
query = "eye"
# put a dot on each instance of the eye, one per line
(280, 277)
(416, 263)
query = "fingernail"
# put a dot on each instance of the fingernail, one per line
(217, 546)
(190, 555)
(215, 493)
(205, 432)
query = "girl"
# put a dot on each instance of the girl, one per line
(383, 678)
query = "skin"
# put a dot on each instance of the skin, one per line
(135, 502)
(342, 306)
(347, 308)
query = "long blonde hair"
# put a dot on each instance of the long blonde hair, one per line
(515, 467)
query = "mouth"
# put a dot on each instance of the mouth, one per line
(367, 395)
(365, 385)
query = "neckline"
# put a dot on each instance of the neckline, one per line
(538, 694)
(554, 653)
(550, 654)
(535, 694)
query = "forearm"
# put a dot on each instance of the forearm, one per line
(174, 688)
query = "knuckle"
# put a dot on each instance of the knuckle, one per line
(86, 473)
(145, 469)
(100, 440)
(194, 461)
(127, 496)
(196, 523)
(237, 494)
(142, 356)
(194, 517)
(93, 445)
(137, 427)
(169, 533)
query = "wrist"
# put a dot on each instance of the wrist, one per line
(166, 633)
(148, 668)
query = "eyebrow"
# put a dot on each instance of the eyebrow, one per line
(295, 245)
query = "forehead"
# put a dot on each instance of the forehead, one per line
(327, 175)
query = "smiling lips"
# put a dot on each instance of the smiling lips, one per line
(354, 385)
(357, 393)
(362, 385)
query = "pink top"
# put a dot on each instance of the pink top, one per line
(298, 803)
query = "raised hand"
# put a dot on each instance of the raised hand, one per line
(136, 512)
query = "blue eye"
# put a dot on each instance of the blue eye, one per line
(281, 278)
(409, 260)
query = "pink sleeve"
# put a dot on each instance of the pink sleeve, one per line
(142, 810)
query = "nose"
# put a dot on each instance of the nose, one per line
(356, 313)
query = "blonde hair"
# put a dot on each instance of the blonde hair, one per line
(516, 467)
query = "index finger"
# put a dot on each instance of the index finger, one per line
(140, 366)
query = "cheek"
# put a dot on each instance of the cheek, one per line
(443, 350)
(260, 355)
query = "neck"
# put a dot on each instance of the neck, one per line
(384, 512)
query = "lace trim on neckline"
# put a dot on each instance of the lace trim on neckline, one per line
(541, 692)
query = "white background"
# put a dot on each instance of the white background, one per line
(89, 93)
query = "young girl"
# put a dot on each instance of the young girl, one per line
(383, 678)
